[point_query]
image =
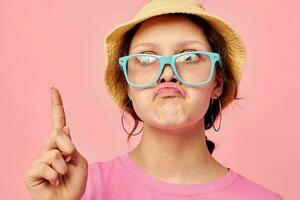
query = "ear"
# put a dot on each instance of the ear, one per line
(129, 93)
(218, 87)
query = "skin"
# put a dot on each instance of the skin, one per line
(173, 147)
(60, 171)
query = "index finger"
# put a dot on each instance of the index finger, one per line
(58, 113)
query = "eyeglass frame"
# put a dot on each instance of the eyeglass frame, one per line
(163, 60)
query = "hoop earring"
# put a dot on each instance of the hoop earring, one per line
(122, 121)
(220, 107)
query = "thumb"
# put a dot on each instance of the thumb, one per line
(75, 158)
(67, 131)
(78, 160)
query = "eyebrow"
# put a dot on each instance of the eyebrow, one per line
(180, 44)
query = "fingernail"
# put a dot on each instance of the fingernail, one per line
(57, 182)
(68, 159)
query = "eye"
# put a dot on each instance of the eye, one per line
(188, 58)
(145, 59)
(187, 50)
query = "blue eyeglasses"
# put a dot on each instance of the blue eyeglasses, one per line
(193, 68)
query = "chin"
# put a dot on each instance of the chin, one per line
(169, 122)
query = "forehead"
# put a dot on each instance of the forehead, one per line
(164, 29)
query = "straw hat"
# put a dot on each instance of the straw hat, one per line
(113, 40)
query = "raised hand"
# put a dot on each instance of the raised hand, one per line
(60, 171)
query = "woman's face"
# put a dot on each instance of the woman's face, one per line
(168, 35)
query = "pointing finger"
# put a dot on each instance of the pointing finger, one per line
(58, 113)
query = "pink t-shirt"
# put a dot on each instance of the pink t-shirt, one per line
(121, 179)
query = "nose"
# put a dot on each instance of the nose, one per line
(167, 75)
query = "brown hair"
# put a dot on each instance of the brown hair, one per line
(230, 87)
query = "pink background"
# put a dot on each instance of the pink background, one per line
(60, 43)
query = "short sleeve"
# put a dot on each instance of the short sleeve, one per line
(94, 185)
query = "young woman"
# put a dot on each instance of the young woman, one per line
(173, 68)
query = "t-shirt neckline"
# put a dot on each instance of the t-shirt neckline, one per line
(177, 189)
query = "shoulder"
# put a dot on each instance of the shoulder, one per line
(102, 169)
(246, 188)
(99, 173)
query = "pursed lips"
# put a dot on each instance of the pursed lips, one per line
(168, 89)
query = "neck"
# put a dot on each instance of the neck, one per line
(175, 153)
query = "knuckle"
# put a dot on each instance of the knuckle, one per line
(55, 154)
(27, 175)
(53, 136)
(64, 169)
(42, 167)
(52, 176)
(71, 148)
(42, 154)
(66, 143)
